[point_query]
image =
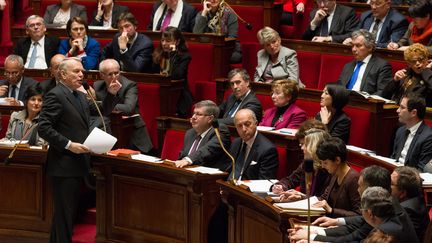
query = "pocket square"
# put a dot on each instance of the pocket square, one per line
(253, 163)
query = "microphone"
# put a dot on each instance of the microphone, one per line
(308, 168)
(247, 24)
(7, 161)
(215, 125)
(87, 88)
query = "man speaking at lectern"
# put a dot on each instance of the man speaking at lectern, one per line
(64, 123)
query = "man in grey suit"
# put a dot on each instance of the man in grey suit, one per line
(109, 70)
(367, 72)
(15, 85)
(201, 145)
(331, 22)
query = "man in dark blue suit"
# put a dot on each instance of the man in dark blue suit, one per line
(64, 123)
(387, 24)
(131, 49)
(413, 141)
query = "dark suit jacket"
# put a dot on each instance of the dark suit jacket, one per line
(377, 75)
(209, 153)
(26, 83)
(75, 10)
(187, 20)
(138, 58)
(393, 28)
(344, 22)
(262, 162)
(346, 200)
(416, 210)
(61, 121)
(51, 47)
(402, 230)
(47, 85)
(117, 10)
(420, 150)
(339, 126)
(128, 103)
(250, 101)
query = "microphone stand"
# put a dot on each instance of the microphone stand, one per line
(87, 87)
(11, 154)
(215, 125)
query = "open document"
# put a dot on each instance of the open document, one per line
(100, 142)
(301, 206)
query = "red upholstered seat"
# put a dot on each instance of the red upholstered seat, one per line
(360, 125)
(282, 156)
(253, 15)
(148, 100)
(311, 107)
(397, 65)
(331, 67)
(173, 144)
(266, 101)
(309, 65)
(250, 60)
(4, 124)
(201, 71)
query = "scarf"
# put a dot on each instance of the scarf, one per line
(422, 36)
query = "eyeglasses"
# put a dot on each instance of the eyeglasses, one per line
(376, 4)
(113, 74)
(11, 74)
(39, 24)
(414, 61)
(76, 29)
(199, 114)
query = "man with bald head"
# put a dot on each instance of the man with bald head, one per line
(37, 49)
(49, 84)
(109, 71)
(64, 123)
(256, 157)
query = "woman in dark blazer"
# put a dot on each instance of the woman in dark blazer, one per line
(285, 114)
(172, 58)
(341, 197)
(61, 13)
(107, 14)
(333, 100)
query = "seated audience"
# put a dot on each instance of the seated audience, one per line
(23, 124)
(217, 17)
(288, 10)
(413, 141)
(407, 189)
(79, 44)
(109, 71)
(333, 99)
(417, 78)
(285, 114)
(331, 22)
(201, 145)
(107, 14)
(37, 49)
(341, 197)
(256, 158)
(175, 13)
(275, 61)
(384, 22)
(131, 49)
(242, 97)
(378, 211)
(368, 72)
(15, 85)
(48, 84)
(310, 134)
(60, 13)
(172, 58)
(419, 30)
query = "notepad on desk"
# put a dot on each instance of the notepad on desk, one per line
(147, 158)
(265, 129)
(301, 206)
(258, 186)
(205, 170)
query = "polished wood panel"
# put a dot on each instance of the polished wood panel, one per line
(147, 202)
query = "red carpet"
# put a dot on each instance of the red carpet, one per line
(85, 232)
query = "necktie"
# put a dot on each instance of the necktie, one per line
(167, 20)
(240, 160)
(375, 27)
(354, 77)
(33, 55)
(77, 101)
(407, 132)
(234, 108)
(195, 145)
(324, 27)
(13, 91)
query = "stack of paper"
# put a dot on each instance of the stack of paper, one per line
(427, 179)
(258, 186)
(265, 129)
(301, 206)
(205, 170)
(146, 158)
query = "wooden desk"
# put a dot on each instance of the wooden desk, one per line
(26, 207)
(146, 202)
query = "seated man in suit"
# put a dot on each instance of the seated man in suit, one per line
(367, 72)
(48, 84)
(109, 70)
(331, 22)
(131, 49)
(15, 84)
(386, 23)
(242, 97)
(37, 49)
(256, 158)
(176, 13)
(407, 188)
(201, 145)
(413, 141)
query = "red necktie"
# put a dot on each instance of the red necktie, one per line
(167, 20)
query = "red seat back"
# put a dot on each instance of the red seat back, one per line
(331, 67)
(149, 103)
(282, 169)
(4, 122)
(173, 143)
(360, 126)
(311, 107)
(309, 61)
